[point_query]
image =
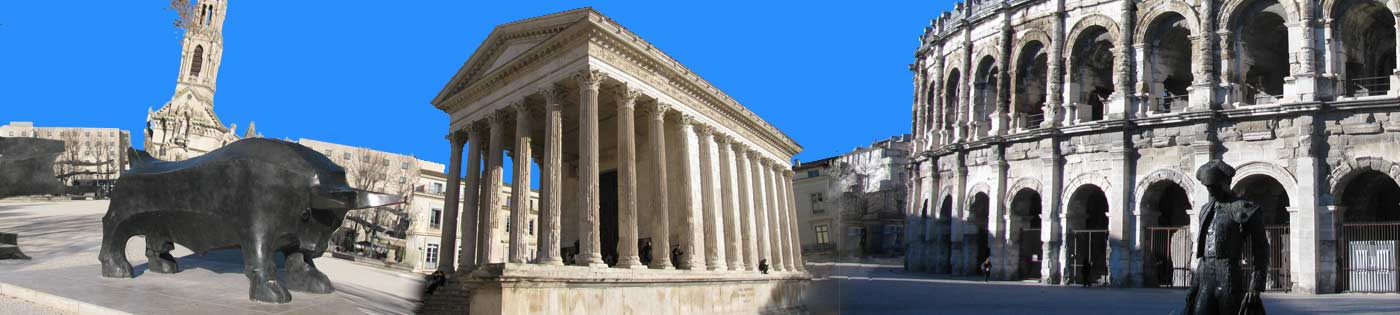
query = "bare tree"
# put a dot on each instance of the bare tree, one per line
(378, 171)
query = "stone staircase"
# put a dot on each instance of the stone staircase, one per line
(453, 297)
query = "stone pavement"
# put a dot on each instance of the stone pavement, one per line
(883, 289)
(63, 238)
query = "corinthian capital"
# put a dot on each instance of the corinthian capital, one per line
(590, 79)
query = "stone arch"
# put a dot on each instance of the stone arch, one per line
(1021, 184)
(1167, 174)
(973, 191)
(944, 193)
(1278, 173)
(1088, 22)
(1342, 174)
(1232, 8)
(1329, 7)
(1090, 178)
(1162, 8)
(1025, 39)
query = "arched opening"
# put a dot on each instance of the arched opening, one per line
(984, 97)
(950, 99)
(1367, 32)
(1370, 231)
(1032, 71)
(1087, 234)
(1026, 226)
(1169, 63)
(1092, 73)
(1272, 199)
(943, 247)
(1263, 60)
(198, 62)
(1167, 261)
(976, 237)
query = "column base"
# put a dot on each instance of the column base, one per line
(664, 267)
(630, 263)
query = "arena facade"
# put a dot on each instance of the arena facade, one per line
(1057, 139)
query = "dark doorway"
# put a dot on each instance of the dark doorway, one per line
(1370, 231)
(943, 241)
(1088, 236)
(977, 237)
(1272, 199)
(607, 216)
(1167, 261)
(1025, 209)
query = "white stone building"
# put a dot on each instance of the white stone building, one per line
(853, 204)
(426, 207)
(93, 158)
(186, 126)
(1066, 133)
(692, 169)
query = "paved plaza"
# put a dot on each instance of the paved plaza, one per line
(884, 289)
(63, 238)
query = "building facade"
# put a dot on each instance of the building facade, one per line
(854, 204)
(92, 160)
(381, 232)
(186, 126)
(1057, 139)
(650, 177)
(426, 207)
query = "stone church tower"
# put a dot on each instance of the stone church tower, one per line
(186, 126)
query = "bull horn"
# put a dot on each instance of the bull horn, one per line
(366, 199)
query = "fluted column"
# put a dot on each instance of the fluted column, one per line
(761, 236)
(730, 201)
(775, 238)
(784, 227)
(448, 250)
(691, 221)
(627, 180)
(520, 184)
(744, 181)
(551, 179)
(491, 192)
(710, 193)
(471, 200)
(660, 225)
(795, 237)
(590, 253)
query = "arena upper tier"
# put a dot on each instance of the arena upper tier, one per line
(1057, 139)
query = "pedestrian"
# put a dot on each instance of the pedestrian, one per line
(987, 270)
(763, 266)
(676, 256)
(437, 279)
(646, 253)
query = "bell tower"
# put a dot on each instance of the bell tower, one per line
(203, 46)
(186, 126)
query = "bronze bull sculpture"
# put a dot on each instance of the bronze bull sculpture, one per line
(261, 195)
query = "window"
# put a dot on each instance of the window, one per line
(347, 156)
(402, 179)
(364, 158)
(817, 200)
(431, 258)
(405, 165)
(822, 236)
(198, 61)
(532, 227)
(437, 188)
(814, 173)
(435, 218)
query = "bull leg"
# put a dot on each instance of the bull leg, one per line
(262, 275)
(113, 252)
(158, 255)
(302, 275)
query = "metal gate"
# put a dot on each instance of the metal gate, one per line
(1368, 258)
(1278, 277)
(1168, 259)
(1030, 254)
(1088, 257)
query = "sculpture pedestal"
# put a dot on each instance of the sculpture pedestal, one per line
(9, 247)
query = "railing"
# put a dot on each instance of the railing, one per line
(1088, 257)
(1172, 104)
(1278, 277)
(1169, 256)
(1368, 258)
(1358, 87)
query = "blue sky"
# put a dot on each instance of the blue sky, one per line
(831, 75)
